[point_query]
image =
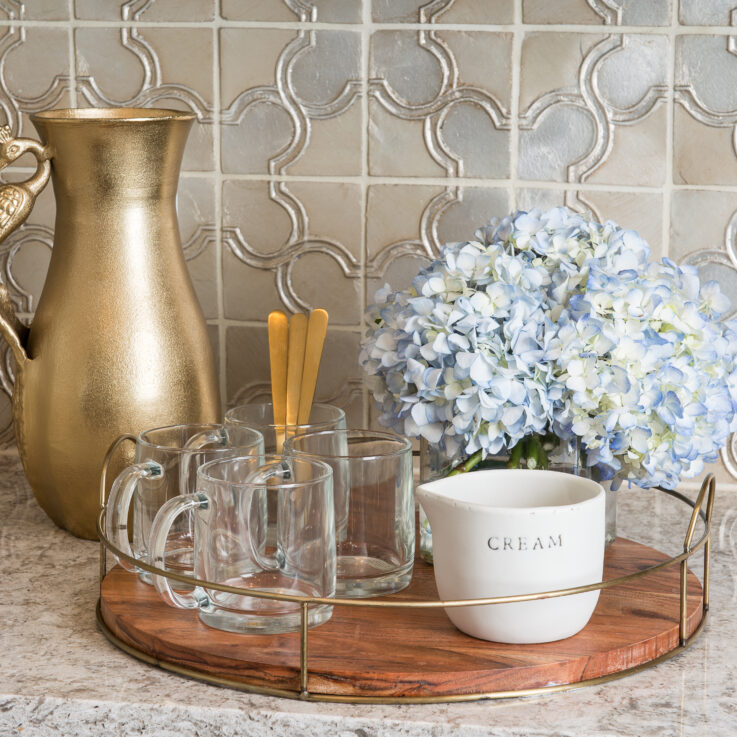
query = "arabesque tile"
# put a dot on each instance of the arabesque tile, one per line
(279, 263)
(440, 103)
(173, 11)
(714, 211)
(156, 67)
(321, 11)
(45, 10)
(623, 12)
(702, 154)
(491, 12)
(287, 122)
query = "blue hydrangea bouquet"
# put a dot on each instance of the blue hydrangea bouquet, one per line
(549, 325)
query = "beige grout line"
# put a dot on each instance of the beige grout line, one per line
(669, 133)
(72, 56)
(217, 145)
(235, 323)
(449, 181)
(514, 138)
(706, 30)
(461, 182)
(565, 28)
(365, 73)
(458, 181)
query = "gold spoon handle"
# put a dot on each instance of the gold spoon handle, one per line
(295, 362)
(278, 336)
(317, 329)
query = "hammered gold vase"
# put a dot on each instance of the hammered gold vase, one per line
(118, 343)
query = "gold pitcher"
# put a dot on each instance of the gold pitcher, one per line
(119, 342)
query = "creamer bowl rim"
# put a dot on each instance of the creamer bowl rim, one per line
(422, 490)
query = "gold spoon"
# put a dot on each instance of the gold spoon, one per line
(278, 331)
(317, 328)
(295, 363)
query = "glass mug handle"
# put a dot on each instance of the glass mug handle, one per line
(163, 522)
(197, 442)
(118, 505)
(280, 470)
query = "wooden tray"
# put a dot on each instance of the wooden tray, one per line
(416, 653)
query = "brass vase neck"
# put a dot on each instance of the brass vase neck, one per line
(101, 156)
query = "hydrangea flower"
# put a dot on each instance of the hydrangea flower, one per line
(646, 374)
(458, 358)
(551, 323)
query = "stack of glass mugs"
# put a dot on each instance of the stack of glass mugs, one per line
(311, 510)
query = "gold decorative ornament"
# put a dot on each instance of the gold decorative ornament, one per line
(119, 342)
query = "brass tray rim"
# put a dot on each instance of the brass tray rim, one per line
(689, 548)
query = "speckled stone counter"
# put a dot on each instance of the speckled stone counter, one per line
(60, 676)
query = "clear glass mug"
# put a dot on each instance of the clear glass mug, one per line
(260, 416)
(166, 465)
(231, 521)
(374, 506)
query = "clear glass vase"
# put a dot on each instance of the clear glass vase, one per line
(611, 513)
(434, 464)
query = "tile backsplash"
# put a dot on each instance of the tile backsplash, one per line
(339, 143)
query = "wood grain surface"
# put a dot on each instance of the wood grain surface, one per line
(403, 652)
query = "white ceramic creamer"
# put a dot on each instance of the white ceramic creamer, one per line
(505, 532)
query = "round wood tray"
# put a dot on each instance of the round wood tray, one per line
(413, 654)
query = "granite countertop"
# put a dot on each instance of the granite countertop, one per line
(60, 676)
